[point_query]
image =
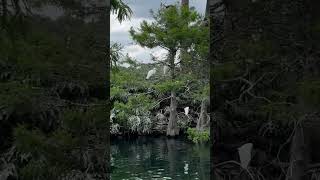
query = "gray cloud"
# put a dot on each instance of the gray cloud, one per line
(121, 37)
(141, 11)
(141, 8)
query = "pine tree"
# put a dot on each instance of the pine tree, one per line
(174, 27)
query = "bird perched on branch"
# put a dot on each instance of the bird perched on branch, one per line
(186, 111)
(166, 6)
(169, 6)
(151, 73)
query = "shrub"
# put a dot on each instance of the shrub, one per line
(198, 136)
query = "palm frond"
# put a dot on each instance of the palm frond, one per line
(122, 10)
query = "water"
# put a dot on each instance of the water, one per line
(159, 158)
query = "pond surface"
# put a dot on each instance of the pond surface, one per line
(159, 158)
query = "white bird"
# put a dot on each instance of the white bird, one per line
(186, 111)
(165, 69)
(138, 67)
(151, 73)
(186, 168)
(112, 115)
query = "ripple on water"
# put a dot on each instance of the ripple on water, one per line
(159, 158)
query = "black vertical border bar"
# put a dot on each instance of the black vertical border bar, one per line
(108, 70)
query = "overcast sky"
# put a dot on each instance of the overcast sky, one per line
(141, 11)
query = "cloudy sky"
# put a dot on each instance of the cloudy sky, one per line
(141, 11)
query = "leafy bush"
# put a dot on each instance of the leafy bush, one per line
(198, 136)
(201, 93)
(140, 123)
(49, 160)
(169, 85)
(135, 114)
(310, 91)
(114, 128)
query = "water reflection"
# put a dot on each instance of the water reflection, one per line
(159, 158)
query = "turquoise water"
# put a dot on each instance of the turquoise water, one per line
(159, 158)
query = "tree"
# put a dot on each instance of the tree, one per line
(122, 10)
(11, 10)
(173, 28)
(131, 100)
(185, 3)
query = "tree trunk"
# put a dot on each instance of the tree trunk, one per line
(172, 128)
(17, 7)
(207, 13)
(202, 122)
(183, 50)
(185, 3)
(298, 157)
(4, 12)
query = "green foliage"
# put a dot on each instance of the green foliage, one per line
(117, 92)
(310, 91)
(198, 136)
(36, 170)
(128, 78)
(132, 99)
(86, 120)
(21, 100)
(225, 71)
(122, 10)
(173, 28)
(257, 50)
(29, 141)
(137, 105)
(52, 80)
(169, 85)
(201, 93)
(115, 54)
(50, 157)
(14, 93)
(140, 122)
(56, 154)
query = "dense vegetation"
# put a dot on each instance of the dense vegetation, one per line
(53, 93)
(264, 57)
(156, 105)
(266, 88)
(54, 86)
